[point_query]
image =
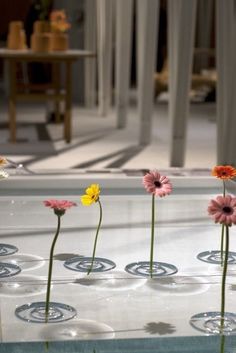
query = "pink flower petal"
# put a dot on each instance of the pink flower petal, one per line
(59, 204)
(223, 209)
(157, 184)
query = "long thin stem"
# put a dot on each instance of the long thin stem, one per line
(222, 244)
(222, 232)
(222, 312)
(96, 237)
(222, 344)
(152, 235)
(50, 268)
(223, 187)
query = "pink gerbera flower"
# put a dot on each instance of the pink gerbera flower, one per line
(223, 210)
(157, 184)
(59, 206)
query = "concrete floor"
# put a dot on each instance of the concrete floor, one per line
(97, 144)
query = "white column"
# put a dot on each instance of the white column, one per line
(226, 84)
(148, 12)
(90, 44)
(123, 56)
(181, 26)
(204, 30)
(104, 23)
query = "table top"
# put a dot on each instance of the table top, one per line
(72, 54)
(115, 309)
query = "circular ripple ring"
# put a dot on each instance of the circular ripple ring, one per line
(142, 268)
(54, 313)
(35, 312)
(85, 265)
(214, 257)
(7, 249)
(211, 323)
(8, 270)
(82, 264)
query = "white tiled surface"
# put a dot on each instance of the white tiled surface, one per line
(119, 305)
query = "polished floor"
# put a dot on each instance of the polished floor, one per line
(98, 144)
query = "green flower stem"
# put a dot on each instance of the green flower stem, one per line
(222, 344)
(50, 268)
(223, 187)
(222, 233)
(152, 235)
(96, 237)
(222, 312)
(222, 244)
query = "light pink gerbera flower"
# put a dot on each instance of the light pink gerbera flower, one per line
(157, 184)
(223, 210)
(59, 206)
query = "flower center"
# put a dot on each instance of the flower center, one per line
(59, 212)
(227, 209)
(157, 184)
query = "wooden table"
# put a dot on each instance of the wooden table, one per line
(56, 58)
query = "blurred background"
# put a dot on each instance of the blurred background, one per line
(147, 99)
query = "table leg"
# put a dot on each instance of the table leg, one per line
(67, 121)
(56, 83)
(12, 100)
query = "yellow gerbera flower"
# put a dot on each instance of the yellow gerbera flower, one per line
(91, 195)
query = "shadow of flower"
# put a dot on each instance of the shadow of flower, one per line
(86, 281)
(162, 328)
(65, 256)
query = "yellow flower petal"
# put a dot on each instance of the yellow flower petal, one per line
(92, 195)
(96, 188)
(86, 200)
(89, 191)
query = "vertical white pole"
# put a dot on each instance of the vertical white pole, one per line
(204, 30)
(124, 11)
(104, 23)
(181, 26)
(226, 83)
(90, 44)
(148, 15)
